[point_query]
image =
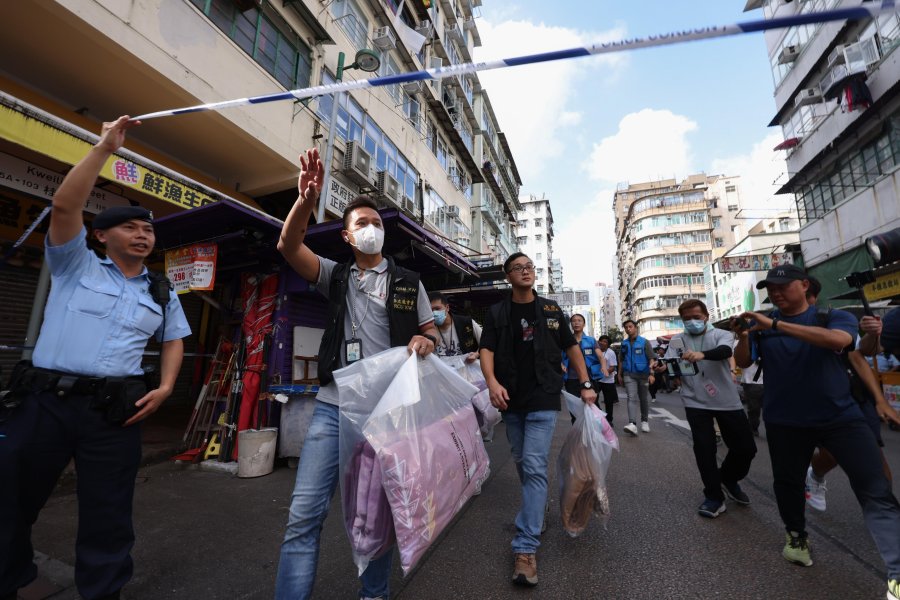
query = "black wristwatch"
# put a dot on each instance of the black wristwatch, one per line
(430, 337)
(587, 385)
(775, 323)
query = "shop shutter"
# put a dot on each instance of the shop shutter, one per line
(18, 285)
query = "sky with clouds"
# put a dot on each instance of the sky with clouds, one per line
(579, 127)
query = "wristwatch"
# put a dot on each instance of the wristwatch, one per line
(587, 385)
(430, 337)
(775, 323)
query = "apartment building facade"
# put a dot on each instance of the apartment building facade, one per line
(435, 152)
(667, 232)
(534, 237)
(836, 100)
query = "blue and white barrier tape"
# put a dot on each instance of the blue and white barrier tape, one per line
(666, 39)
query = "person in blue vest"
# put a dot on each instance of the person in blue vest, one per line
(635, 373)
(593, 359)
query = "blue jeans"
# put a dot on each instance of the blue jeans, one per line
(317, 477)
(854, 448)
(530, 435)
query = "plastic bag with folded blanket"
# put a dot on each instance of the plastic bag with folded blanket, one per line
(367, 512)
(428, 444)
(582, 466)
(487, 414)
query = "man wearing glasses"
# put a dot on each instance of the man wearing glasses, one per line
(520, 347)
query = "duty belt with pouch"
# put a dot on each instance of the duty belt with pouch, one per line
(113, 395)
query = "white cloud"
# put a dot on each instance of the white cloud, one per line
(585, 243)
(763, 172)
(650, 144)
(532, 101)
(569, 118)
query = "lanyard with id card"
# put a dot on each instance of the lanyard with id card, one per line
(353, 347)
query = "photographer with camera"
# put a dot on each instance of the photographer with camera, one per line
(700, 358)
(86, 391)
(808, 403)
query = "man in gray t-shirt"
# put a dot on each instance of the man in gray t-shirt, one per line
(381, 307)
(367, 300)
(700, 355)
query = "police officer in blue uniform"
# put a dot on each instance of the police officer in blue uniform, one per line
(85, 393)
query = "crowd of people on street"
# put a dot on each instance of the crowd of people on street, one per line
(803, 376)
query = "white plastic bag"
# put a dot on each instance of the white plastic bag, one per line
(582, 466)
(487, 413)
(367, 515)
(427, 440)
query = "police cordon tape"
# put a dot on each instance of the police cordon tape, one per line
(665, 39)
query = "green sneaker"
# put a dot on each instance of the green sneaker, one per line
(893, 589)
(796, 549)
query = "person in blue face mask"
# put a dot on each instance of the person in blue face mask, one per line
(457, 334)
(710, 395)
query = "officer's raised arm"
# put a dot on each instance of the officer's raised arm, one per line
(290, 242)
(68, 203)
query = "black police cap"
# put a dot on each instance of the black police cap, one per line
(120, 214)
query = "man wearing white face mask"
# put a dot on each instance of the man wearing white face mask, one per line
(710, 394)
(374, 305)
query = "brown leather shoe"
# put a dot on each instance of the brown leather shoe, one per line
(525, 572)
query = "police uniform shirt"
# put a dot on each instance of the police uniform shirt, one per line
(97, 321)
(373, 326)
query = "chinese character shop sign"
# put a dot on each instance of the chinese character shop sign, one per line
(149, 182)
(754, 262)
(192, 267)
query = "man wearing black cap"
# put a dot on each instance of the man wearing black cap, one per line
(808, 403)
(85, 392)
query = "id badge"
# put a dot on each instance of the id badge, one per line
(711, 389)
(353, 350)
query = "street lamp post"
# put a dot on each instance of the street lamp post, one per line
(365, 60)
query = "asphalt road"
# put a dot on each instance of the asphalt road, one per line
(210, 535)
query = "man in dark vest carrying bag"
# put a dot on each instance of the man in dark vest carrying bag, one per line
(458, 334)
(374, 305)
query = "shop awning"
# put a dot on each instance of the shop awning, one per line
(245, 237)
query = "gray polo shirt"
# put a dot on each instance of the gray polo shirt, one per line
(367, 307)
(713, 387)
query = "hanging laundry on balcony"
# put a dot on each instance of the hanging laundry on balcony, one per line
(856, 95)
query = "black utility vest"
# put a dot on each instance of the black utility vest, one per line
(547, 347)
(402, 309)
(465, 333)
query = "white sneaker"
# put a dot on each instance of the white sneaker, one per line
(815, 491)
(645, 426)
(631, 428)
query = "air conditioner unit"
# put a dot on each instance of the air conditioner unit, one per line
(408, 204)
(436, 63)
(453, 211)
(808, 96)
(469, 23)
(836, 56)
(426, 30)
(357, 164)
(788, 54)
(383, 38)
(412, 87)
(388, 187)
(455, 34)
